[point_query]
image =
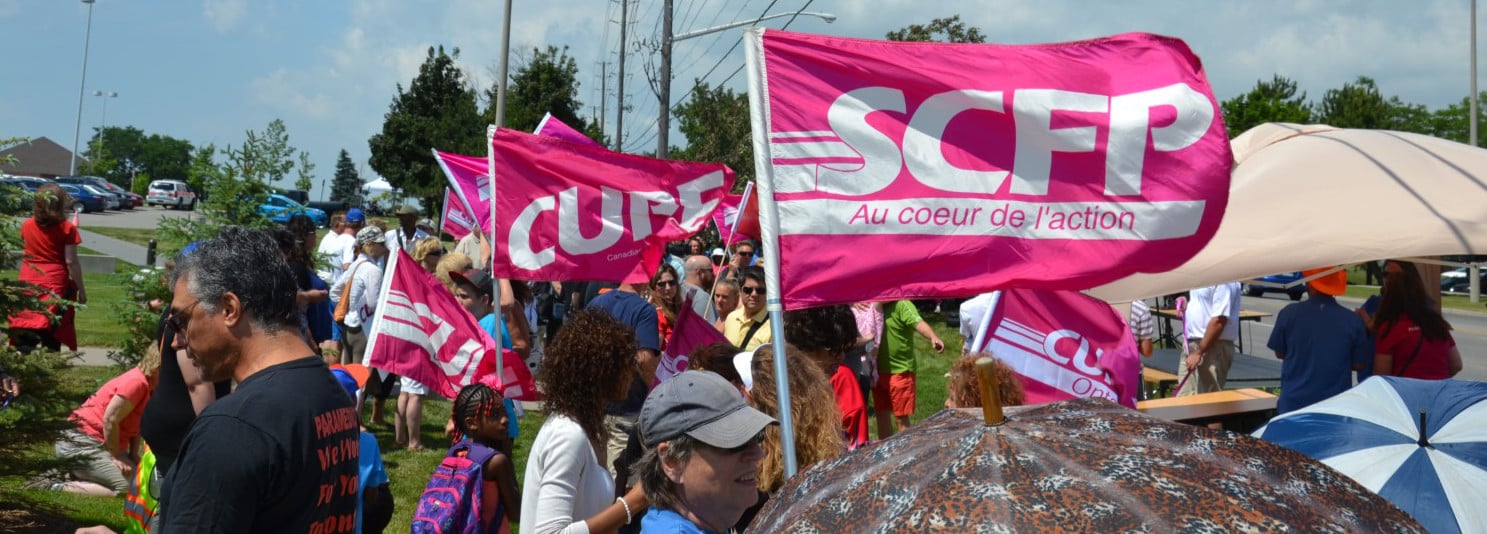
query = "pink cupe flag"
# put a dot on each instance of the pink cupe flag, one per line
(572, 211)
(423, 333)
(691, 332)
(1064, 345)
(1060, 166)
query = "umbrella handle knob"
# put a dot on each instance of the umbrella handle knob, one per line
(991, 399)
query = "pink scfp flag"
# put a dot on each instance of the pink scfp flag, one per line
(458, 221)
(569, 211)
(906, 170)
(423, 333)
(1064, 345)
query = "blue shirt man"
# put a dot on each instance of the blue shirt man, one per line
(1319, 342)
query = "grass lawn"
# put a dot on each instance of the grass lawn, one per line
(96, 326)
(138, 236)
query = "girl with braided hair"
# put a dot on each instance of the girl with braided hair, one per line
(480, 418)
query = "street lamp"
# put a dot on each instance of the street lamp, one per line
(103, 120)
(663, 123)
(77, 127)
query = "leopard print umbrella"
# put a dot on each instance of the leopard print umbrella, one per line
(1085, 465)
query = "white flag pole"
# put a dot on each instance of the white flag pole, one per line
(985, 325)
(490, 165)
(769, 221)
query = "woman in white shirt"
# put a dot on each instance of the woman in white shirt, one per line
(567, 489)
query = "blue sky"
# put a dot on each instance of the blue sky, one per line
(208, 70)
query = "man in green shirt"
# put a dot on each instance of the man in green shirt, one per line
(894, 391)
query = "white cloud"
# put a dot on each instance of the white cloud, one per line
(224, 15)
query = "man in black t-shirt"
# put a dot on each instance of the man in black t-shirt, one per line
(280, 453)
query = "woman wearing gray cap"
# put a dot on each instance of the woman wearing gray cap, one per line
(701, 464)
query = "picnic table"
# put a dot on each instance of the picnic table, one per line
(1240, 410)
(1173, 339)
(1247, 371)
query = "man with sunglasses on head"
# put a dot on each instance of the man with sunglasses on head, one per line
(743, 256)
(748, 326)
(276, 454)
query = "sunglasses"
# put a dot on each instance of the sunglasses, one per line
(666, 283)
(750, 290)
(174, 320)
(753, 442)
(745, 253)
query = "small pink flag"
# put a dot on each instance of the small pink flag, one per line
(423, 333)
(691, 332)
(458, 221)
(1064, 345)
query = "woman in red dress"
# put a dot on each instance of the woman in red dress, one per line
(51, 263)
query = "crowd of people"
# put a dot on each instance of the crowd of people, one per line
(248, 412)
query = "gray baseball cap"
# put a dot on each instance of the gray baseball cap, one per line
(702, 405)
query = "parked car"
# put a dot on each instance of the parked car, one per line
(171, 194)
(1295, 292)
(99, 183)
(138, 199)
(279, 208)
(91, 203)
(1457, 280)
(126, 202)
(109, 200)
(28, 183)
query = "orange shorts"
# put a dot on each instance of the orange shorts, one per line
(896, 390)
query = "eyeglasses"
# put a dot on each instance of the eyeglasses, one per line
(666, 283)
(753, 442)
(745, 253)
(174, 319)
(750, 290)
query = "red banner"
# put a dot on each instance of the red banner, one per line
(569, 211)
(423, 333)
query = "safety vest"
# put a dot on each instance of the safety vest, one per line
(139, 504)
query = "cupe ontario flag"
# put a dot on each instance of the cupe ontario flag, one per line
(422, 332)
(906, 170)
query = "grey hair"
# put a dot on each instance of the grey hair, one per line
(248, 264)
(659, 488)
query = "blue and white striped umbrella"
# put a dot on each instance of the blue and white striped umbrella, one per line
(1421, 444)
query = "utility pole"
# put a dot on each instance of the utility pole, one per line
(663, 122)
(603, 92)
(505, 59)
(619, 108)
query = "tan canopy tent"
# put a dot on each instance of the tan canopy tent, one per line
(1304, 196)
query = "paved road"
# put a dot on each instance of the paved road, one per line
(142, 217)
(1470, 332)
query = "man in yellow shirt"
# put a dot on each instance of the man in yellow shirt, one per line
(748, 326)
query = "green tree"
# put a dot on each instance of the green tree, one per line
(120, 153)
(306, 178)
(1358, 104)
(1451, 122)
(950, 30)
(1270, 101)
(272, 158)
(547, 83)
(716, 123)
(346, 186)
(438, 110)
(35, 419)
